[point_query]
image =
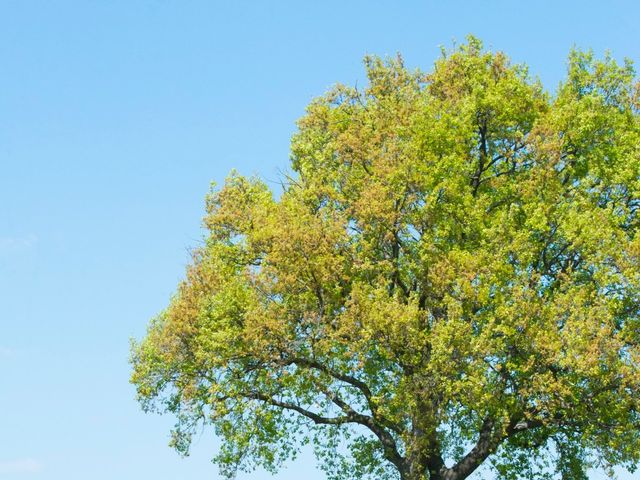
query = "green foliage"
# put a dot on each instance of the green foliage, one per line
(450, 279)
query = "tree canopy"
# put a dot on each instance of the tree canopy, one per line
(450, 278)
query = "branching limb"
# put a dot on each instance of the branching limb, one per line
(362, 387)
(490, 437)
(389, 445)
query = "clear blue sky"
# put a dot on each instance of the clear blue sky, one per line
(114, 118)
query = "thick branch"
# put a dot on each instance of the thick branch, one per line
(475, 179)
(490, 438)
(387, 441)
(362, 387)
(483, 448)
(309, 363)
(318, 419)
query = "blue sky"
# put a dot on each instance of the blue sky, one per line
(115, 116)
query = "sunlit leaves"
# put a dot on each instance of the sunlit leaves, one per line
(451, 276)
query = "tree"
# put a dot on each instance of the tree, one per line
(449, 278)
